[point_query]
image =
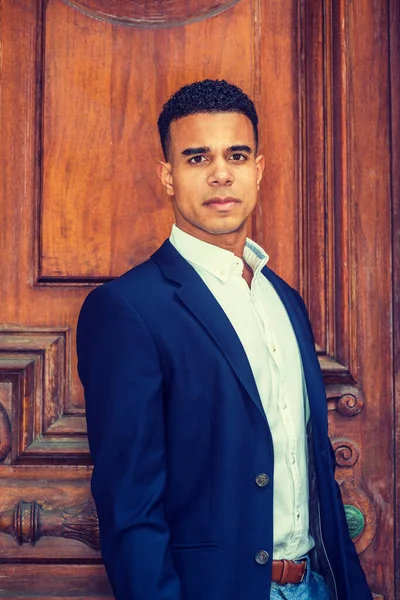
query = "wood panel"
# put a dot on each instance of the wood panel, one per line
(74, 582)
(277, 94)
(362, 247)
(394, 33)
(102, 209)
(35, 367)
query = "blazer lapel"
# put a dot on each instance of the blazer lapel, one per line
(293, 309)
(302, 330)
(198, 299)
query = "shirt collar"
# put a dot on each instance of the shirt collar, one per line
(217, 261)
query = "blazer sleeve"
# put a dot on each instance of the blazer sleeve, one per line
(358, 581)
(120, 370)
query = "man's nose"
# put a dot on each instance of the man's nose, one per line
(221, 173)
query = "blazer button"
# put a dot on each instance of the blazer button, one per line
(262, 480)
(262, 557)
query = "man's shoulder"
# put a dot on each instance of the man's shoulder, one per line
(137, 275)
(282, 285)
(149, 282)
(274, 279)
(140, 281)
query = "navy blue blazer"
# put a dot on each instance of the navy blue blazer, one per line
(178, 435)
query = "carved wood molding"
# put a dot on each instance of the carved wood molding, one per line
(342, 392)
(327, 218)
(154, 13)
(345, 399)
(5, 434)
(34, 368)
(360, 513)
(27, 522)
(347, 452)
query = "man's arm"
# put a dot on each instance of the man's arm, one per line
(120, 370)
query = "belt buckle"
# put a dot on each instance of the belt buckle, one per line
(304, 572)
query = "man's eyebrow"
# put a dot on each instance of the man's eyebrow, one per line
(242, 148)
(192, 151)
(207, 149)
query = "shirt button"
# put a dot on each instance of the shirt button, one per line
(262, 557)
(262, 480)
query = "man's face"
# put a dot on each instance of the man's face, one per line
(213, 173)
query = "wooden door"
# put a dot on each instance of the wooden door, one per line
(82, 86)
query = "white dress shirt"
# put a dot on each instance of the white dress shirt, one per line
(262, 324)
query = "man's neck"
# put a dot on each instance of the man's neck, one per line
(247, 273)
(233, 242)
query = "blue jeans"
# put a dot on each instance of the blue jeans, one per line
(313, 587)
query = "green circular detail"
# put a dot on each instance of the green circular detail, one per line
(355, 520)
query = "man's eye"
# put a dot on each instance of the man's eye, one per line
(196, 159)
(238, 157)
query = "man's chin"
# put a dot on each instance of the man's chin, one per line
(226, 229)
(220, 227)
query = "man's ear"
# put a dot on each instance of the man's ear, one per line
(260, 164)
(164, 171)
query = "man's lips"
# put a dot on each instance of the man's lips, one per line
(221, 202)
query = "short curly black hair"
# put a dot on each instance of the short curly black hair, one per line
(207, 96)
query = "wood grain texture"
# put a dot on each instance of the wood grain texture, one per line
(74, 582)
(394, 31)
(316, 215)
(277, 216)
(103, 208)
(362, 247)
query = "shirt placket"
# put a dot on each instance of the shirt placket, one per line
(286, 420)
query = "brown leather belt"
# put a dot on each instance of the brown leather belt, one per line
(288, 571)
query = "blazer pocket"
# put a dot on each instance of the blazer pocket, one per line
(199, 546)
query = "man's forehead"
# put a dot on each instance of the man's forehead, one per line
(212, 129)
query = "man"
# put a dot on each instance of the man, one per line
(206, 409)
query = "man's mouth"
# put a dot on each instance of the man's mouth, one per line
(221, 203)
